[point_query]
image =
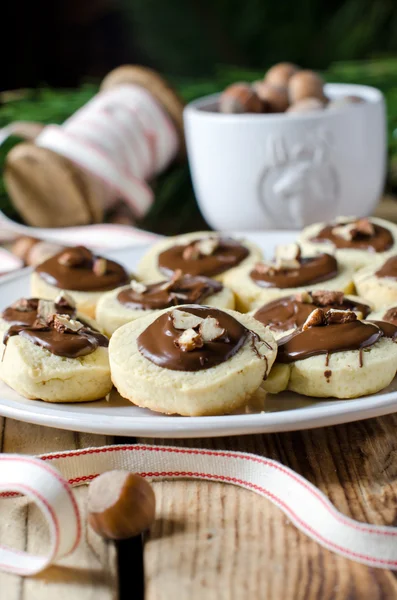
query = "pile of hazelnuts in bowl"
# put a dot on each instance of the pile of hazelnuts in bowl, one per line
(284, 88)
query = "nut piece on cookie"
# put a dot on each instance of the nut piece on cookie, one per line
(287, 257)
(100, 266)
(45, 309)
(189, 340)
(304, 297)
(191, 252)
(75, 257)
(210, 330)
(335, 316)
(137, 287)
(327, 297)
(61, 323)
(25, 305)
(265, 268)
(207, 246)
(64, 300)
(315, 319)
(350, 231)
(185, 320)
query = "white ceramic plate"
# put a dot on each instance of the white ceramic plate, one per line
(116, 416)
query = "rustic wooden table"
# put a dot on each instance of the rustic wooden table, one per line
(214, 541)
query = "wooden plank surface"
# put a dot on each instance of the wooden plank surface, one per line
(216, 541)
(91, 572)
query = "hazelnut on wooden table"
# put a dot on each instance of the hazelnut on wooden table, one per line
(120, 505)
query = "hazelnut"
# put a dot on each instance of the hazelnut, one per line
(74, 257)
(315, 319)
(25, 304)
(287, 257)
(64, 300)
(45, 309)
(62, 323)
(306, 84)
(207, 246)
(335, 316)
(306, 105)
(210, 330)
(240, 98)
(327, 297)
(185, 320)
(189, 340)
(22, 247)
(41, 252)
(275, 98)
(304, 297)
(100, 266)
(137, 287)
(120, 505)
(280, 74)
(191, 252)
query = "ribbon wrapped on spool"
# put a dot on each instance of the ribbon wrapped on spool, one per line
(108, 150)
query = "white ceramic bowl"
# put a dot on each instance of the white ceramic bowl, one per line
(283, 171)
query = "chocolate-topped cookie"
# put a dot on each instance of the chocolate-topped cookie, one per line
(208, 254)
(191, 360)
(82, 273)
(377, 283)
(290, 272)
(131, 302)
(334, 354)
(56, 357)
(355, 241)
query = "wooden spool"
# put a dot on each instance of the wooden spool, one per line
(49, 190)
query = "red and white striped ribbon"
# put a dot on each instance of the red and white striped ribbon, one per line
(48, 480)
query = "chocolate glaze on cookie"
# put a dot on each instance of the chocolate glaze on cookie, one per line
(76, 269)
(184, 290)
(70, 344)
(290, 312)
(380, 241)
(157, 342)
(314, 269)
(389, 269)
(327, 339)
(390, 316)
(228, 253)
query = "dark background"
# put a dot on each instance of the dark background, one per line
(58, 51)
(61, 42)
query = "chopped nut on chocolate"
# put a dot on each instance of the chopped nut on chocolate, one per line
(191, 252)
(207, 246)
(25, 304)
(100, 266)
(61, 323)
(75, 257)
(354, 229)
(168, 285)
(304, 297)
(45, 309)
(64, 300)
(210, 330)
(184, 320)
(335, 316)
(327, 297)
(288, 252)
(138, 287)
(315, 319)
(265, 268)
(189, 340)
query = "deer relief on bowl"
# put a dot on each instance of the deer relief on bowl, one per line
(299, 184)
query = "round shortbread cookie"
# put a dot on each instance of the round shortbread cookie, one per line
(218, 390)
(36, 373)
(378, 290)
(352, 257)
(148, 270)
(342, 377)
(250, 295)
(112, 314)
